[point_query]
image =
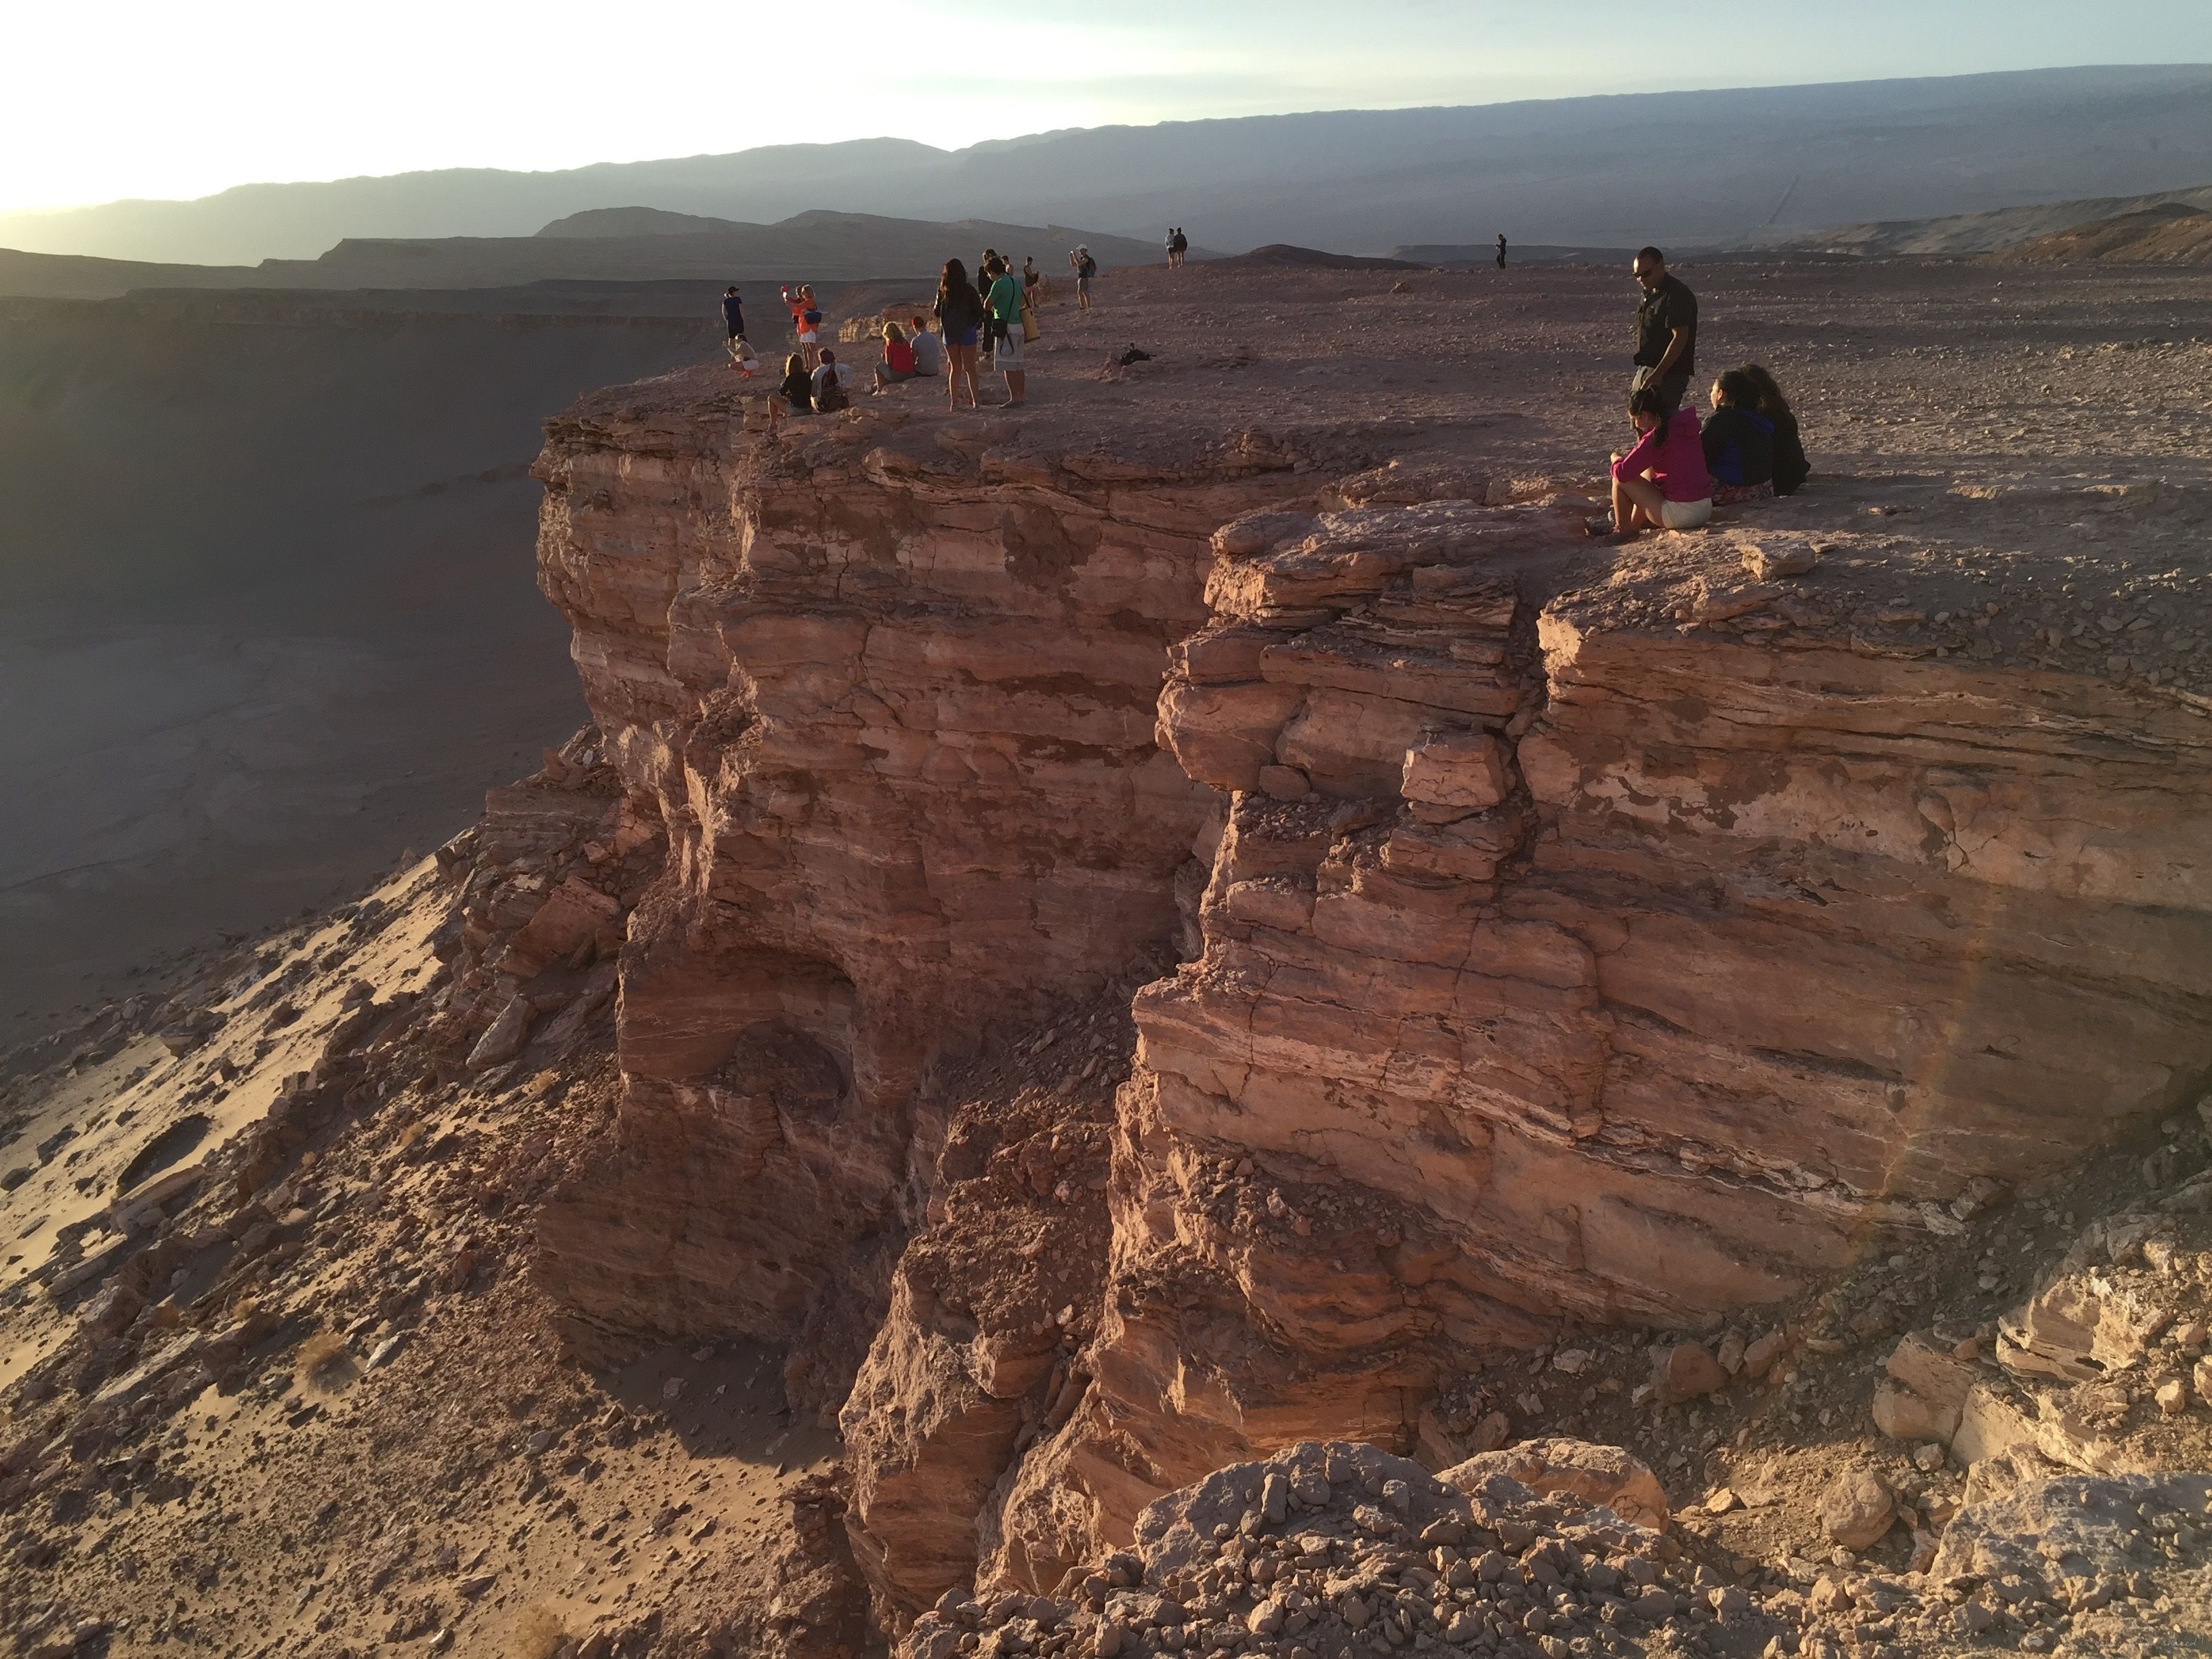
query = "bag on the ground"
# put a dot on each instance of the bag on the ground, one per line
(832, 397)
(1134, 355)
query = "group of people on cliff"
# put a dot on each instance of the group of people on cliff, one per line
(1680, 469)
(996, 313)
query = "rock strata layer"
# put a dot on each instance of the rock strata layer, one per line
(1568, 936)
(890, 697)
(1597, 964)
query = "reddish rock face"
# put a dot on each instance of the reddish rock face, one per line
(894, 702)
(1772, 941)
(1569, 934)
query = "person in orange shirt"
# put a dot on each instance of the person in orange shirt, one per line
(805, 322)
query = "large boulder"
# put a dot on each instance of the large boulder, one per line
(1602, 1476)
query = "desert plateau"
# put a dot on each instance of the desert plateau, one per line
(1183, 1021)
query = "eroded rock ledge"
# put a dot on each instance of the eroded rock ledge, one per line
(1568, 936)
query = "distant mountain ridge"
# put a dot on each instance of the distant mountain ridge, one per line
(814, 247)
(1692, 167)
(1961, 234)
(595, 223)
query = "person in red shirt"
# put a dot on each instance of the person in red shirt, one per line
(1662, 483)
(899, 358)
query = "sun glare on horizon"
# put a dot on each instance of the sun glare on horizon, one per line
(136, 100)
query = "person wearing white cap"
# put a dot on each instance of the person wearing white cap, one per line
(1085, 268)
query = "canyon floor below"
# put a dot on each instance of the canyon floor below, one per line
(452, 1271)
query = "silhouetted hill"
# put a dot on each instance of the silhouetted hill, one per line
(635, 222)
(1684, 167)
(813, 246)
(73, 277)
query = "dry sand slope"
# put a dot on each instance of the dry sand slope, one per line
(269, 617)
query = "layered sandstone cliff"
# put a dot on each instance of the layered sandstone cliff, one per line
(1607, 966)
(1571, 936)
(892, 699)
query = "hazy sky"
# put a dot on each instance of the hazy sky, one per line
(113, 98)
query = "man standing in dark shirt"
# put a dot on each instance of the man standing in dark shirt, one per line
(733, 318)
(1666, 329)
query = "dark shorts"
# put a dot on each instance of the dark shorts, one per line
(1673, 388)
(961, 336)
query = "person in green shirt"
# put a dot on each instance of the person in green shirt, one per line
(1004, 301)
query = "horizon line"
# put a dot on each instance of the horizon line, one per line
(69, 208)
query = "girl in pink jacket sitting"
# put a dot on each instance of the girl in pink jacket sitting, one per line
(1662, 483)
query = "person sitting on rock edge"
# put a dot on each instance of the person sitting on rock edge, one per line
(798, 389)
(928, 352)
(898, 363)
(1791, 469)
(1739, 442)
(1662, 483)
(831, 379)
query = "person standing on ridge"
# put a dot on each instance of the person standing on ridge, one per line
(1501, 250)
(1666, 329)
(733, 323)
(959, 316)
(1085, 268)
(1004, 300)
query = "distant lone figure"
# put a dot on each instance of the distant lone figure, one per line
(1085, 268)
(1666, 329)
(1662, 483)
(1791, 469)
(1501, 250)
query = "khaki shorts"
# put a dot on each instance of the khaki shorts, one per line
(1685, 515)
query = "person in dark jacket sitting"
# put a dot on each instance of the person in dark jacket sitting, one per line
(797, 387)
(1739, 442)
(1791, 469)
